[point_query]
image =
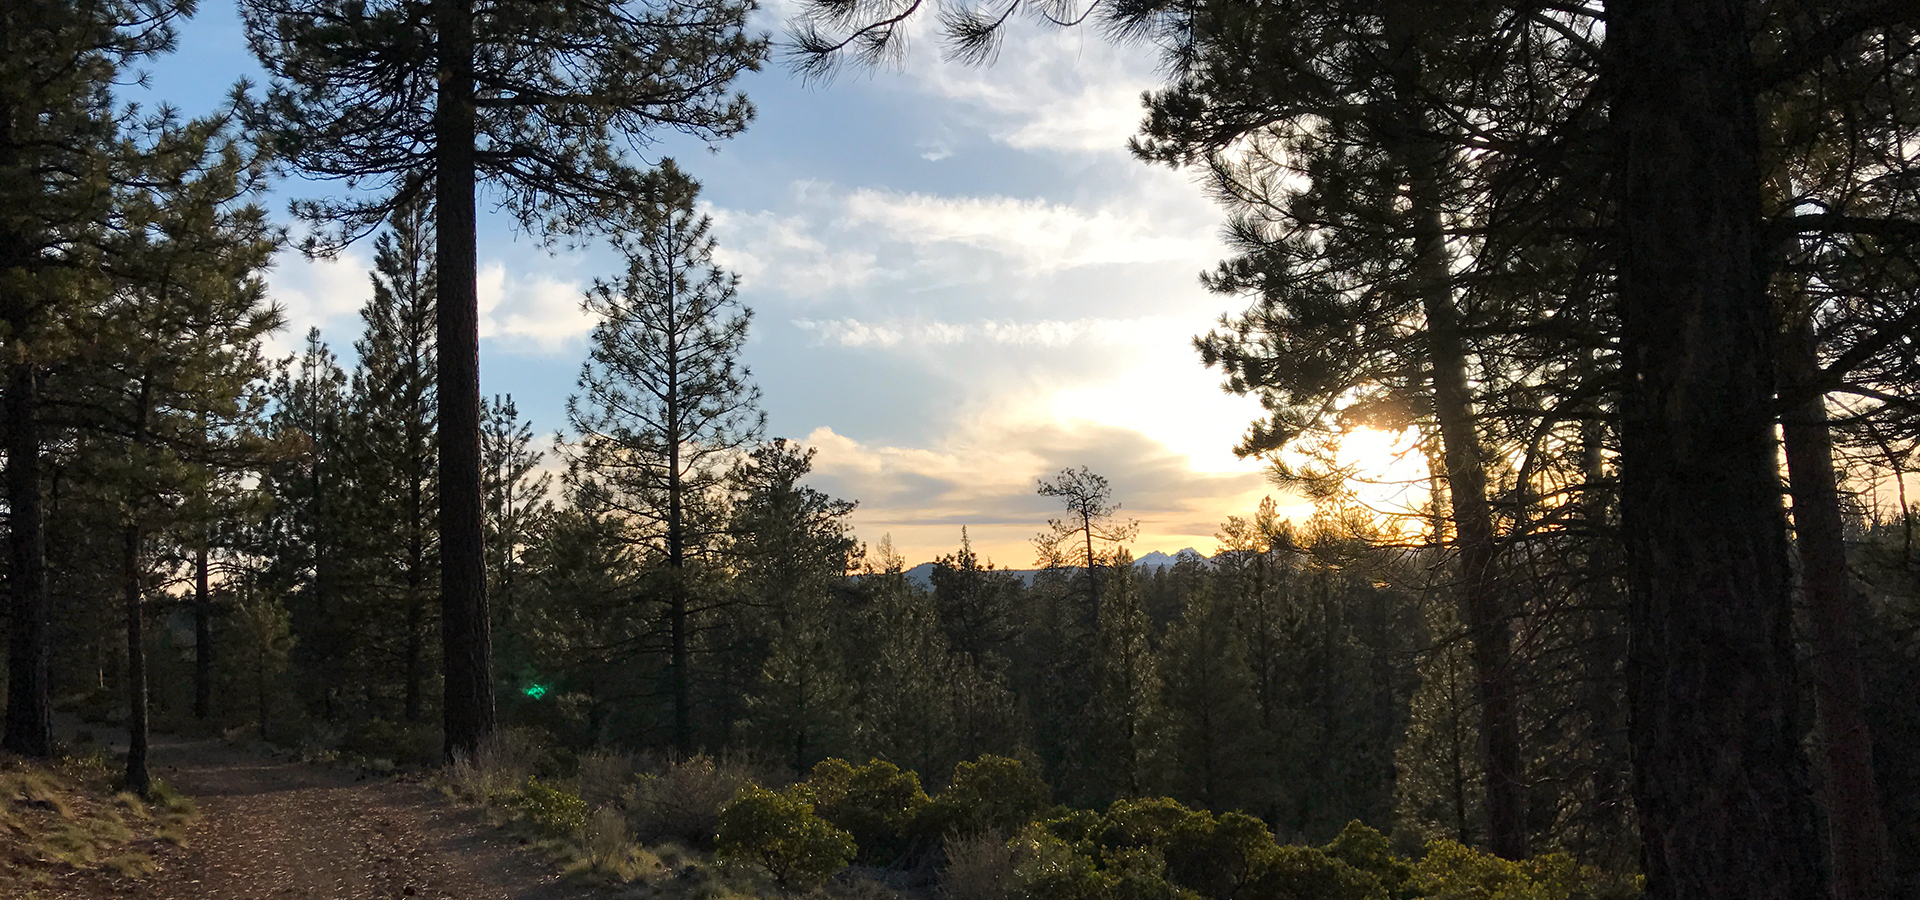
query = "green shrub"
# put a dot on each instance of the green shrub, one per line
(1053, 868)
(1450, 871)
(1292, 872)
(1217, 856)
(877, 803)
(1141, 823)
(992, 793)
(1368, 851)
(781, 833)
(556, 812)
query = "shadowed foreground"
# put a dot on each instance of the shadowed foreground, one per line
(277, 829)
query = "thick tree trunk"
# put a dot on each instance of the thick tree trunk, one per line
(202, 635)
(465, 638)
(29, 730)
(1856, 832)
(138, 780)
(1719, 782)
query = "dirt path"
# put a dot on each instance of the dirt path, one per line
(278, 830)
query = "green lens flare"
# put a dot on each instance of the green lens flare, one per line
(536, 691)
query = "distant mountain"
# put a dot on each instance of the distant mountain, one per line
(1158, 560)
(922, 574)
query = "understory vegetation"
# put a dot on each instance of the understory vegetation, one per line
(71, 821)
(711, 829)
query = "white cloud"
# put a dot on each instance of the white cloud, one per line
(536, 313)
(1038, 235)
(836, 241)
(1059, 90)
(1044, 333)
(324, 293)
(787, 252)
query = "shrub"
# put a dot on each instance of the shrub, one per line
(1450, 871)
(1368, 851)
(781, 833)
(978, 867)
(556, 812)
(992, 793)
(1305, 873)
(605, 776)
(877, 803)
(497, 768)
(1052, 868)
(1217, 856)
(682, 802)
(396, 742)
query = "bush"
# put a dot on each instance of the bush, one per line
(1217, 856)
(682, 802)
(1368, 851)
(781, 833)
(978, 867)
(1052, 868)
(496, 769)
(992, 793)
(605, 777)
(396, 742)
(555, 812)
(1450, 871)
(876, 803)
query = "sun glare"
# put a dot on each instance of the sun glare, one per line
(1386, 473)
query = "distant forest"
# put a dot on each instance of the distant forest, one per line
(1632, 272)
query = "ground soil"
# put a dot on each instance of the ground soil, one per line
(277, 829)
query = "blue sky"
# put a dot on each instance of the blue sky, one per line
(961, 282)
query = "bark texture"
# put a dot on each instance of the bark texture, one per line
(465, 638)
(1719, 782)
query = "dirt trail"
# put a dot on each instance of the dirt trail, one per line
(278, 830)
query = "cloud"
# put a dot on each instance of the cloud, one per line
(856, 333)
(787, 253)
(324, 293)
(1037, 235)
(535, 314)
(833, 241)
(982, 476)
(1054, 90)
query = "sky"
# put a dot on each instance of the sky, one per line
(962, 283)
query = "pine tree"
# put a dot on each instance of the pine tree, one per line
(393, 413)
(664, 406)
(302, 540)
(1209, 731)
(534, 99)
(517, 511)
(179, 340)
(59, 146)
(1125, 688)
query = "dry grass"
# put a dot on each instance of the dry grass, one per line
(66, 820)
(501, 765)
(979, 867)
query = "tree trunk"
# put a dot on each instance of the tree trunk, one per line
(138, 781)
(202, 635)
(1421, 161)
(678, 683)
(464, 631)
(29, 730)
(1719, 782)
(1856, 832)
